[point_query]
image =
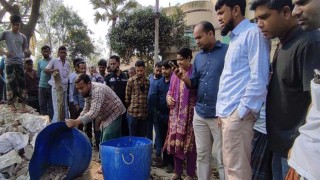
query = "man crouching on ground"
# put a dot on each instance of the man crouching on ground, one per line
(102, 104)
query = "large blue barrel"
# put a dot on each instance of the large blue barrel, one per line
(126, 158)
(58, 145)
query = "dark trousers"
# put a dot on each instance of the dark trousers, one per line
(124, 125)
(161, 128)
(3, 94)
(191, 158)
(33, 101)
(152, 118)
(45, 101)
(137, 127)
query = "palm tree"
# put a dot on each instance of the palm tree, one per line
(112, 9)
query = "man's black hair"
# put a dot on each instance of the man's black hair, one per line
(80, 62)
(139, 63)
(165, 64)
(158, 65)
(45, 47)
(185, 53)
(83, 77)
(207, 26)
(15, 19)
(76, 60)
(102, 62)
(271, 4)
(232, 4)
(117, 58)
(62, 48)
(29, 61)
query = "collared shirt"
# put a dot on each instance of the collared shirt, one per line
(118, 84)
(72, 78)
(288, 98)
(152, 94)
(207, 68)
(44, 77)
(162, 89)
(102, 104)
(136, 97)
(244, 80)
(64, 71)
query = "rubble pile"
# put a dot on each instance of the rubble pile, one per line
(55, 173)
(18, 132)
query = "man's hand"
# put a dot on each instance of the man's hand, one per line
(71, 123)
(78, 107)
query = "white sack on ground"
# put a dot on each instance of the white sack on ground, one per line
(13, 140)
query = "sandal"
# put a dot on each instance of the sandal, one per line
(176, 177)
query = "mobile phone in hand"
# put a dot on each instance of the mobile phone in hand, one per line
(173, 65)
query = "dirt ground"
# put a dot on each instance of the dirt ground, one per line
(155, 174)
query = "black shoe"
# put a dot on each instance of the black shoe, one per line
(157, 162)
(169, 168)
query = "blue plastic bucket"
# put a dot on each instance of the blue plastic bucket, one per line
(58, 145)
(126, 158)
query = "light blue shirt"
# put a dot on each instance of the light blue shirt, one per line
(243, 83)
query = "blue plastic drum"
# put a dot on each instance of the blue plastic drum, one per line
(126, 158)
(58, 145)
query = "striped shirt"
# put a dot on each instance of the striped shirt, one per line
(102, 104)
(136, 97)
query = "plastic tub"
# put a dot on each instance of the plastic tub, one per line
(58, 145)
(126, 158)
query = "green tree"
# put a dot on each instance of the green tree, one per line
(111, 10)
(69, 30)
(134, 34)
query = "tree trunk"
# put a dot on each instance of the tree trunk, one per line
(27, 29)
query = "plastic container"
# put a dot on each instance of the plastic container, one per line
(59, 145)
(126, 158)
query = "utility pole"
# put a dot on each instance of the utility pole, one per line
(156, 34)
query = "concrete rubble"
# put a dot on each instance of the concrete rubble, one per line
(17, 137)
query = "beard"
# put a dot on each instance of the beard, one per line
(116, 70)
(157, 76)
(85, 95)
(229, 27)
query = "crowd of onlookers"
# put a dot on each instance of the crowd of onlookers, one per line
(230, 98)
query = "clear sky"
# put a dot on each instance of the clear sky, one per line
(86, 12)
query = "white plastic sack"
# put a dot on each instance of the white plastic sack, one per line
(9, 159)
(13, 140)
(2, 177)
(33, 123)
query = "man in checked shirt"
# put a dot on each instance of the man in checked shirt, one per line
(102, 104)
(136, 101)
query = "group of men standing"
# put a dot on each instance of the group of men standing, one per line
(231, 96)
(233, 82)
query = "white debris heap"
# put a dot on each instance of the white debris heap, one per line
(17, 138)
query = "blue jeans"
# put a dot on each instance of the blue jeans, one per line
(137, 127)
(280, 167)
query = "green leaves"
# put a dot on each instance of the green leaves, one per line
(134, 34)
